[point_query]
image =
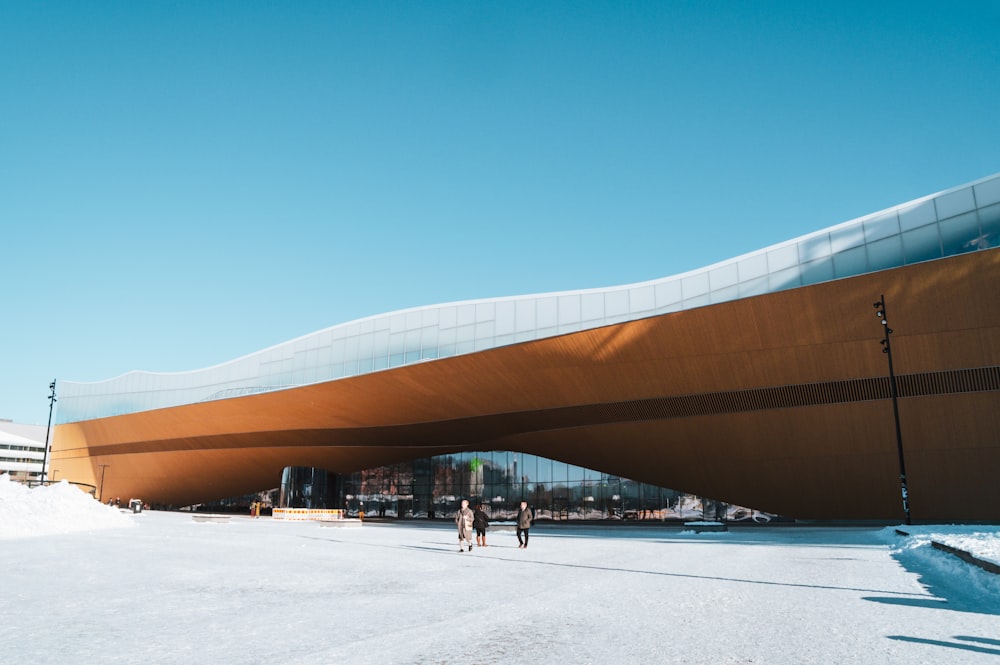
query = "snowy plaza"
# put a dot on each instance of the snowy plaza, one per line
(84, 582)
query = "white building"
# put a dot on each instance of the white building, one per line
(22, 450)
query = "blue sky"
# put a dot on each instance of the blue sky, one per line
(183, 183)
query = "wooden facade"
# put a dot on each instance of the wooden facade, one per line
(779, 402)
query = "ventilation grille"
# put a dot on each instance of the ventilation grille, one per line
(808, 394)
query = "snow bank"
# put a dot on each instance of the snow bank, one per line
(982, 542)
(58, 508)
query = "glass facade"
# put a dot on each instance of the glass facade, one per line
(434, 487)
(964, 219)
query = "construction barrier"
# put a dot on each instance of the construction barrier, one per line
(307, 514)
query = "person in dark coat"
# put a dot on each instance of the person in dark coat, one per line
(524, 519)
(463, 520)
(480, 523)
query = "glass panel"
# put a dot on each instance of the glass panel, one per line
(887, 253)
(446, 341)
(576, 473)
(337, 350)
(466, 314)
(955, 203)
(570, 327)
(987, 192)
(484, 331)
(503, 340)
(616, 303)
(431, 317)
(351, 349)
(754, 266)
(814, 248)
(544, 473)
(989, 222)
(485, 311)
(922, 244)
(560, 472)
(784, 279)
(366, 352)
(569, 309)
(881, 227)
(412, 341)
(846, 237)
(726, 294)
(525, 468)
(960, 234)
(695, 285)
(917, 215)
(547, 312)
(525, 314)
(449, 317)
(525, 336)
(641, 299)
(698, 301)
(414, 320)
(397, 343)
(723, 276)
(815, 272)
(852, 262)
(428, 339)
(505, 317)
(668, 293)
(782, 257)
(592, 306)
(465, 333)
(753, 287)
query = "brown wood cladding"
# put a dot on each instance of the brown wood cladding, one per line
(778, 402)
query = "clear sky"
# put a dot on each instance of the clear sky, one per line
(183, 183)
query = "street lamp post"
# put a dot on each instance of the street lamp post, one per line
(103, 469)
(52, 402)
(887, 349)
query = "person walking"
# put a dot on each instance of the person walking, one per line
(463, 520)
(524, 519)
(480, 523)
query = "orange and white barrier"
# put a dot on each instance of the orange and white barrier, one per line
(307, 514)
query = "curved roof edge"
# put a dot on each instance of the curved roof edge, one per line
(906, 233)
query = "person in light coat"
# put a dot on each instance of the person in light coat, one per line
(463, 520)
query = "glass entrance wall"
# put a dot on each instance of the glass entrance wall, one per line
(434, 487)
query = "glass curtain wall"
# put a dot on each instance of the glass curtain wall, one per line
(434, 487)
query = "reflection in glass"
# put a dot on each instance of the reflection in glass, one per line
(434, 487)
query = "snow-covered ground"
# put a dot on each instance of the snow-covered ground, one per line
(82, 582)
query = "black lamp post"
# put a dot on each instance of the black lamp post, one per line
(52, 402)
(887, 349)
(103, 469)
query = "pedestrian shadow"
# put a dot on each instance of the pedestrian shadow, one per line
(439, 548)
(946, 589)
(659, 573)
(975, 648)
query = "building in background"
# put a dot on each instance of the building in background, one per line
(22, 450)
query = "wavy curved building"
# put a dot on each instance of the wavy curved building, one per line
(757, 381)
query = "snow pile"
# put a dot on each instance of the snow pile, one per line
(58, 508)
(981, 542)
